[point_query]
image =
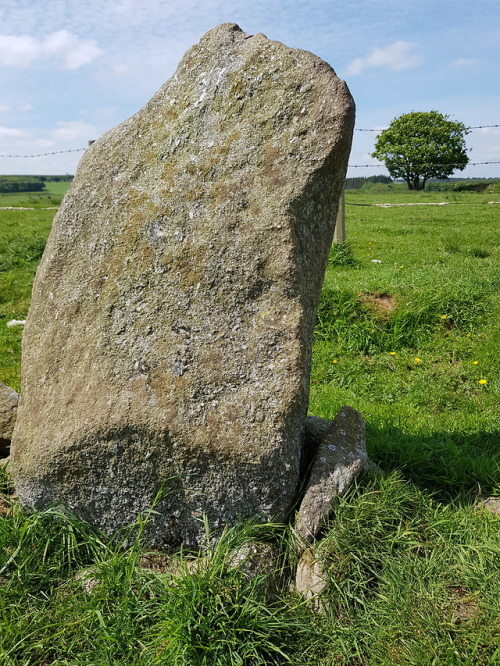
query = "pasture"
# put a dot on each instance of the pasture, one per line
(407, 333)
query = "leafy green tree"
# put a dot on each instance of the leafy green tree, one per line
(422, 145)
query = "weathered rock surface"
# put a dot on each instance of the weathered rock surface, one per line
(311, 579)
(491, 504)
(340, 457)
(8, 411)
(168, 340)
(258, 559)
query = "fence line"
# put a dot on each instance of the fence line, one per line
(381, 129)
(354, 166)
(55, 152)
(350, 166)
(424, 203)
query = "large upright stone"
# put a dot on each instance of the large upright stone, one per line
(169, 336)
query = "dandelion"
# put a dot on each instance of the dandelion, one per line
(483, 381)
(475, 362)
(401, 267)
(334, 360)
(393, 353)
(417, 360)
(444, 317)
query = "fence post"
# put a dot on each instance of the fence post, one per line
(339, 234)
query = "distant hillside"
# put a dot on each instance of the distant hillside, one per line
(14, 184)
(357, 183)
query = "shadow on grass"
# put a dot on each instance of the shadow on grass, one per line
(454, 467)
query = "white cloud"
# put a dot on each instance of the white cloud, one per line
(466, 62)
(397, 56)
(74, 131)
(69, 50)
(43, 144)
(12, 133)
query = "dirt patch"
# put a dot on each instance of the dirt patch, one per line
(4, 506)
(157, 562)
(381, 304)
(465, 607)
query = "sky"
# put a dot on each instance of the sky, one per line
(72, 69)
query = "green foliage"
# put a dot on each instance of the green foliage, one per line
(359, 182)
(470, 185)
(21, 184)
(362, 323)
(422, 145)
(215, 614)
(411, 581)
(412, 558)
(22, 239)
(341, 255)
(18, 252)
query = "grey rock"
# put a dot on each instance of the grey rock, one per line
(9, 400)
(168, 341)
(491, 504)
(311, 579)
(88, 580)
(340, 457)
(255, 558)
(258, 559)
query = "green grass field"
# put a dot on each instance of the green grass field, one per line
(413, 558)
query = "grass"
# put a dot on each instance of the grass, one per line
(413, 559)
(22, 239)
(433, 297)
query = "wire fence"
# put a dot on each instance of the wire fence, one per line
(350, 166)
(381, 129)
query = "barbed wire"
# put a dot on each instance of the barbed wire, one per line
(55, 152)
(419, 166)
(381, 129)
(351, 166)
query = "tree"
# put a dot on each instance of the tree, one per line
(422, 145)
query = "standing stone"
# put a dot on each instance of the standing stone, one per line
(169, 338)
(8, 412)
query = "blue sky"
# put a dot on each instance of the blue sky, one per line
(72, 69)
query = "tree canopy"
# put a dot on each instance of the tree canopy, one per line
(421, 145)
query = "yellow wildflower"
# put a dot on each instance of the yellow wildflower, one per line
(444, 316)
(334, 360)
(483, 381)
(475, 362)
(393, 353)
(417, 360)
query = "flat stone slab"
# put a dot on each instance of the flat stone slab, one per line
(340, 457)
(169, 338)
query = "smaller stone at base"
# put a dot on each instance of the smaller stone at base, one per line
(340, 457)
(311, 579)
